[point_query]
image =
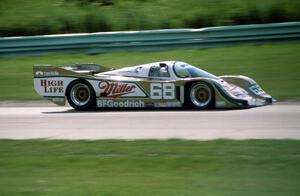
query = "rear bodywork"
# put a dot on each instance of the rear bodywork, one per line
(135, 91)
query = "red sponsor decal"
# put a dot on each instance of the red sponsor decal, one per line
(115, 89)
(53, 86)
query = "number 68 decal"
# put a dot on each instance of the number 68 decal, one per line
(162, 91)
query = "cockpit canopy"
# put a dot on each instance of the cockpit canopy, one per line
(184, 70)
(164, 70)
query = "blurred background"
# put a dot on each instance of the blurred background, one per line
(41, 17)
(272, 59)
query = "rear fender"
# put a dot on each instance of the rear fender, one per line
(51, 82)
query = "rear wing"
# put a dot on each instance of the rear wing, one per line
(72, 70)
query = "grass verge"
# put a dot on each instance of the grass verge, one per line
(275, 67)
(148, 167)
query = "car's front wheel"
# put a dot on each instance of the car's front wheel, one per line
(80, 95)
(201, 95)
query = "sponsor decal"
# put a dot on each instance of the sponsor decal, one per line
(58, 99)
(39, 73)
(122, 104)
(220, 103)
(119, 89)
(168, 104)
(149, 105)
(257, 90)
(52, 86)
(46, 73)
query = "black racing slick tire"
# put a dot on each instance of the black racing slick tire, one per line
(201, 95)
(81, 95)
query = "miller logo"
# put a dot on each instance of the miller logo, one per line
(115, 89)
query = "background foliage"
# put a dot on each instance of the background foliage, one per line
(37, 17)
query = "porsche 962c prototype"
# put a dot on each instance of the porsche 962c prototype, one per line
(160, 84)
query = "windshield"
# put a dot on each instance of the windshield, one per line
(184, 70)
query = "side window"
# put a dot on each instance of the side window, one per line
(160, 70)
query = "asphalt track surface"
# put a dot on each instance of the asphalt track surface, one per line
(279, 121)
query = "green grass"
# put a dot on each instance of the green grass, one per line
(275, 67)
(145, 167)
(33, 17)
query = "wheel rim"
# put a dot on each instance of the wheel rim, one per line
(201, 95)
(80, 94)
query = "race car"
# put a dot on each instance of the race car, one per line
(159, 84)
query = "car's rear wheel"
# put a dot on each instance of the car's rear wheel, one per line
(201, 95)
(80, 95)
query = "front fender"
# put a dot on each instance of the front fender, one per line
(249, 85)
